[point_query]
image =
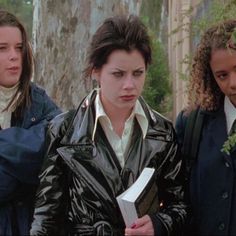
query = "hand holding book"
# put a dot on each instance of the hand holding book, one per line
(139, 199)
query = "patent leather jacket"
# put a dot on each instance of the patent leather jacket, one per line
(81, 178)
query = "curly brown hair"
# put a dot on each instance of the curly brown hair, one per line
(203, 89)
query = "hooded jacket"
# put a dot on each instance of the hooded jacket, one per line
(81, 178)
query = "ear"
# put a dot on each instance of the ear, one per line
(96, 75)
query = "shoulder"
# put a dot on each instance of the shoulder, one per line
(191, 121)
(154, 117)
(36, 90)
(181, 118)
(159, 125)
(180, 124)
(59, 124)
(160, 120)
(39, 96)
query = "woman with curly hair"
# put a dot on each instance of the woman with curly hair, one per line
(212, 90)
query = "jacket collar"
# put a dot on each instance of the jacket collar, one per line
(137, 112)
(80, 129)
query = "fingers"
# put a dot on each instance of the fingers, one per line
(142, 226)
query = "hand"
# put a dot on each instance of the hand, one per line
(142, 226)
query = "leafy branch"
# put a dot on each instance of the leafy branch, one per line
(229, 144)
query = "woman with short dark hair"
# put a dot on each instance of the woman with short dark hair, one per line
(99, 151)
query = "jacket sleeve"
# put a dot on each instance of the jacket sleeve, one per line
(21, 149)
(170, 220)
(50, 203)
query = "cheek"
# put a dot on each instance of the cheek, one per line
(221, 85)
(140, 83)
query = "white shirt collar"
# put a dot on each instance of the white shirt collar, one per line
(230, 113)
(137, 111)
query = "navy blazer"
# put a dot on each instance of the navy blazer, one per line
(212, 179)
(21, 154)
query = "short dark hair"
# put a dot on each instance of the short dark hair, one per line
(118, 32)
(8, 19)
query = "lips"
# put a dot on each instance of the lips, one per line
(128, 97)
(13, 69)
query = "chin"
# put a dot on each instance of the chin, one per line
(9, 85)
(128, 106)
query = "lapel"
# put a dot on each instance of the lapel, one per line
(92, 161)
(218, 129)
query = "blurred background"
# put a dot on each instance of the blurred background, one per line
(60, 31)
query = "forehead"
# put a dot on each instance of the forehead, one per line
(223, 59)
(125, 58)
(10, 34)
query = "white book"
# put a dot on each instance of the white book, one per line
(140, 198)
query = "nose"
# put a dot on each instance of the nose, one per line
(129, 82)
(13, 54)
(232, 81)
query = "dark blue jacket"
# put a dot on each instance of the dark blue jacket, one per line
(21, 154)
(213, 178)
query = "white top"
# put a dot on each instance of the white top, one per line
(230, 113)
(6, 95)
(120, 144)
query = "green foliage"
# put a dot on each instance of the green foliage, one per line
(23, 9)
(151, 12)
(157, 87)
(219, 11)
(229, 144)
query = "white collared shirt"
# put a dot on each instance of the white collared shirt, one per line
(120, 144)
(230, 113)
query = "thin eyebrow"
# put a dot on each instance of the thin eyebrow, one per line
(7, 44)
(118, 69)
(140, 68)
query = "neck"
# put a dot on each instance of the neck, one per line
(6, 95)
(118, 118)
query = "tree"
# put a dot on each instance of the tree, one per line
(61, 32)
(23, 9)
(157, 89)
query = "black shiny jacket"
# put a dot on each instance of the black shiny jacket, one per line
(81, 178)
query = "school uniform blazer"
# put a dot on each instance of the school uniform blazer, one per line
(212, 179)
